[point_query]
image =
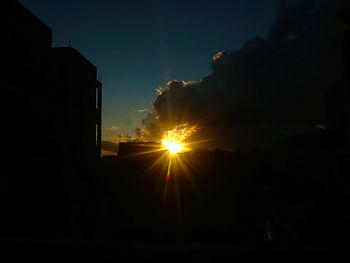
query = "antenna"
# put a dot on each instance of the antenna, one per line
(69, 43)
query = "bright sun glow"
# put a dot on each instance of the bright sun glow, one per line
(173, 140)
(172, 146)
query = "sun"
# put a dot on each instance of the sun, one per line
(172, 146)
(174, 140)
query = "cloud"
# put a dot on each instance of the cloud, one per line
(269, 86)
(113, 128)
(218, 55)
(120, 138)
(159, 90)
(126, 138)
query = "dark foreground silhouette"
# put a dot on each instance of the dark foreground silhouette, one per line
(291, 200)
(60, 201)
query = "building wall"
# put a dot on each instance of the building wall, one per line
(25, 51)
(49, 117)
(74, 78)
(338, 97)
(137, 148)
(50, 93)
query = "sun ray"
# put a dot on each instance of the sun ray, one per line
(167, 180)
(161, 158)
(173, 162)
(186, 171)
(155, 150)
(178, 203)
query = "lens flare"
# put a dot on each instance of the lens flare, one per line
(172, 146)
(173, 140)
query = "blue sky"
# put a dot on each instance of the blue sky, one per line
(140, 45)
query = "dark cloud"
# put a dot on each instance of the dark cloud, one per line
(270, 86)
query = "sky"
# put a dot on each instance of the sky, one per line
(138, 46)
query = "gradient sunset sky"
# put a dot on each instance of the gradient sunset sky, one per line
(140, 45)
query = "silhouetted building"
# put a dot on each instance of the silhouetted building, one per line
(25, 48)
(51, 128)
(74, 77)
(54, 99)
(302, 145)
(339, 96)
(137, 148)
